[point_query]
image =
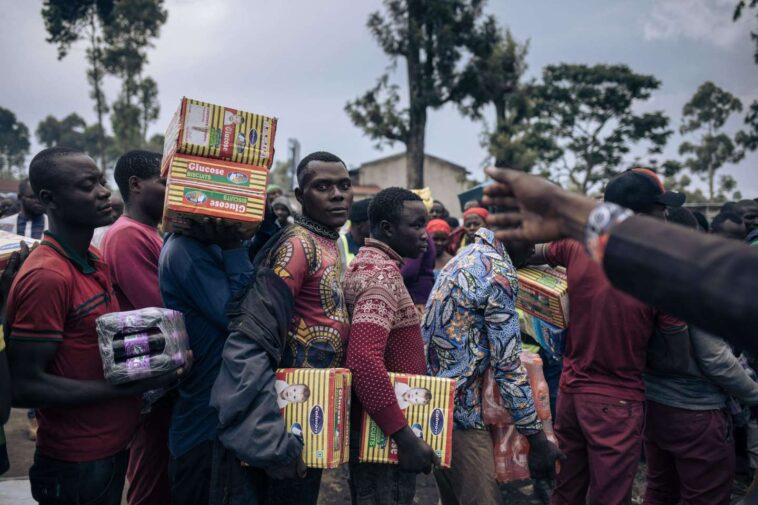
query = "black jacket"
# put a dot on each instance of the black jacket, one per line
(708, 281)
(251, 424)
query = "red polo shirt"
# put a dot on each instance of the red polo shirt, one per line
(608, 332)
(56, 297)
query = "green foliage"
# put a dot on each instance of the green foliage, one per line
(749, 139)
(14, 142)
(72, 131)
(493, 78)
(587, 113)
(432, 36)
(704, 116)
(280, 175)
(738, 11)
(118, 34)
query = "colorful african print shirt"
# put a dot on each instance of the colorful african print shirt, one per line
(310, 264)
(470, 325)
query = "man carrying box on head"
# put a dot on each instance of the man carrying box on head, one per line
(471, 325)
(306, 258)
(385, 336)
(85, 423)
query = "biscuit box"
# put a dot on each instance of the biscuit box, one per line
(315, 405)
(213, 131)
(551, 338)
(427, 403)
(199, 187)
(543, 293)
(10, 243)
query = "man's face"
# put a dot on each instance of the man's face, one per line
(441, 241)
(80, 199)
(326, 193)
(360, 231)
(408, 236)
(152, 195)
(282, 213)
(438, 211)
(472, 223)
(29, 202)
(750, 216)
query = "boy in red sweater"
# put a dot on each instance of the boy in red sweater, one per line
(385, 336)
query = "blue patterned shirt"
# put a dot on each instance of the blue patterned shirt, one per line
(471, 324)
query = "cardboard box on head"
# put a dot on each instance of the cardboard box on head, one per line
(428, 406)
(200, 187)
(214, 131)
(315, 404)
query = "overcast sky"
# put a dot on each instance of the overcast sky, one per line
(302, 60)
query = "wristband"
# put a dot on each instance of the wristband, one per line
(600, 222)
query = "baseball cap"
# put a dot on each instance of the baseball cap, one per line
(638, 188)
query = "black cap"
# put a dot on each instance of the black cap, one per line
(639, 188)
(359, 211)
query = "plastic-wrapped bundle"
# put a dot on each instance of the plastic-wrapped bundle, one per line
(512, 448)
(141, 343)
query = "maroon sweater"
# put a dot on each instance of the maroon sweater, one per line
(385, 335)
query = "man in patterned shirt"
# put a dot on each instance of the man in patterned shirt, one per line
(471, 325)
(306, 257)
(385, 336)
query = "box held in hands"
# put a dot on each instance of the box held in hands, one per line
(543, 293)
(427, 403)
(315, 405)
(214, 131)
(143, 343)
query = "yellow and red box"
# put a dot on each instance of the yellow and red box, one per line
(214, 131)
(543, 293)
(201, 187)
(427, 403)
(315, 404)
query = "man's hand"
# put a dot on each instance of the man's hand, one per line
(294, 470)
(541, 211)
(166, 380)
(542, 457)
(225, 234)
(414, 455)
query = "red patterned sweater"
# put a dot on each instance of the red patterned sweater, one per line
(385, 335)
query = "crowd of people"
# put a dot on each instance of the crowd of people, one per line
(658, 359)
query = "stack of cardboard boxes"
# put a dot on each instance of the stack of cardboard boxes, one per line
(216, 161)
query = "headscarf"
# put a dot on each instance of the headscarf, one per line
(479, 211)
(438, 225)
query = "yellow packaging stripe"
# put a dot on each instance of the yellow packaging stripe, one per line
(431, 421)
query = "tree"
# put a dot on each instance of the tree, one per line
(72, 131)
(587, 111)
(280, 175)
(69, 21)
(705, 113)
(492, 77)
(431, 35)
(738, 10)
(14, 141)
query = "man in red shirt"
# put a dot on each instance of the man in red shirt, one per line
(385, 336)
(131, 249)
(85, 424)
(600, 410)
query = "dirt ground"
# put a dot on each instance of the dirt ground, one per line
(334, 488)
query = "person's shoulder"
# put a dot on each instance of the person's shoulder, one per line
(44, 270)
(181, 251)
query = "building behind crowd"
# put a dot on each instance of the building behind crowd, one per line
(444, 178)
